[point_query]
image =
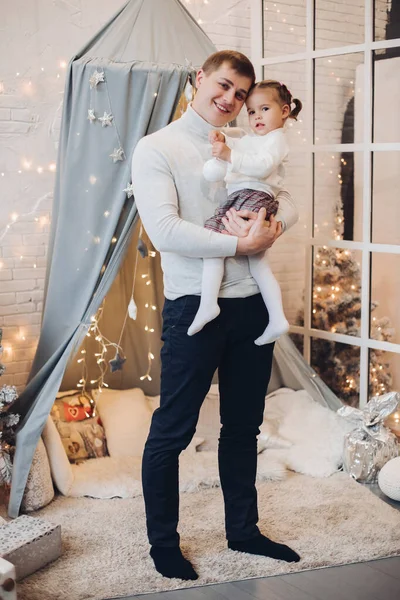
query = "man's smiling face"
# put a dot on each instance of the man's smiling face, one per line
(220, 94)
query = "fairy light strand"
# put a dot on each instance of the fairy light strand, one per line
(100, 356)
(133, 287)
(149, 306)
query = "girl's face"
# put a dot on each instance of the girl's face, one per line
(265, 112)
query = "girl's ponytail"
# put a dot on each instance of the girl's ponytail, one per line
(298, 106)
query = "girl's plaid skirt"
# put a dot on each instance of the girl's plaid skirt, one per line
(251, 200)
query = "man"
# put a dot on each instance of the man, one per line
(174, 200)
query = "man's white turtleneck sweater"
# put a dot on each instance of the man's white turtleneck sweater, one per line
(174, 201)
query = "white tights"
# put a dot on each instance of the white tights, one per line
(213, 272)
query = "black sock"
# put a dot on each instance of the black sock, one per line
(170, 562)
(266, 547)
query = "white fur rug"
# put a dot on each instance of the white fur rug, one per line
(306, 437)
(297, 435)
(120, 477)
(329, 521)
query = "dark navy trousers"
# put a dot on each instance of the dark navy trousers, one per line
(187, 368)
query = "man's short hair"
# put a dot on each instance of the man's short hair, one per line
(236, 60)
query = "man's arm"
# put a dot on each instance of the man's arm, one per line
(157, 202)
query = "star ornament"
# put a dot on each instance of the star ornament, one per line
(106, 120)
(91, 116)
(96, 78)
(117, 363)
(118, 154)
(129, 190)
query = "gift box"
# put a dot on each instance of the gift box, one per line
(8, 588)
(370, 445)
(29, 544)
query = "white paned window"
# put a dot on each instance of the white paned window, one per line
(339, 266)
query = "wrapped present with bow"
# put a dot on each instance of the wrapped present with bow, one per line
(370, 444)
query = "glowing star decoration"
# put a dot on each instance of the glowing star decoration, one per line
(106, 119)
(129, 190)
(91, 116)
(132, 309)
(118, 154)
(117, 363)
(96, 78)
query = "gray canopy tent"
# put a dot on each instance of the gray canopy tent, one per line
(124, 84)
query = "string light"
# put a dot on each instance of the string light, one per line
(100, 356)
(27, 164)
(149, 306)
(104, 343)
(14, 217)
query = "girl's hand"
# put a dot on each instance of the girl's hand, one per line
(216, 136)
(220, 150)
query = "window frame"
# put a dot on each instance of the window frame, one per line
(367, 148)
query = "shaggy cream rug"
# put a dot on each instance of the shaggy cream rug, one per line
(328, 521)
(297, 435)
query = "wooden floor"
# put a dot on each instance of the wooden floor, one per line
(374, 580)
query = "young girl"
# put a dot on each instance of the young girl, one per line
(254, 172)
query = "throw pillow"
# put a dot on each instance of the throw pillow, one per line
(82, 439)
(81, 434)
(61, 468)
(71, 407)
(126, 417)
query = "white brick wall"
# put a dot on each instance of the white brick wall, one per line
(31, 88)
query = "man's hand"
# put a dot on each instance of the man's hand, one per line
(239, 222)
(261, 234)
(216, 136)
(220, 150)
(236, 225)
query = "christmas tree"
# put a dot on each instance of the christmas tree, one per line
(8, 423)
(337, 308)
